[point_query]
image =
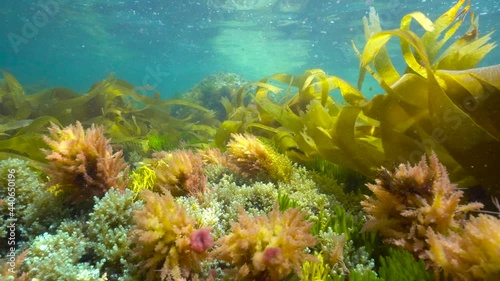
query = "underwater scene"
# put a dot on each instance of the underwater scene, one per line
(267, 140)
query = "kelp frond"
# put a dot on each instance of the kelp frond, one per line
(440, 103)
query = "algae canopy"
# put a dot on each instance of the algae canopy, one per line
(250, 140)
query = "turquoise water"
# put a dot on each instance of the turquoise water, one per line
(172, 45)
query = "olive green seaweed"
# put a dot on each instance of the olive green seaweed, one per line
(127, 116)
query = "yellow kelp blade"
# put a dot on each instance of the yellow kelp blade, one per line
(432, 39)
(227, 128)
(305, 85)
(318, 124)
(27, 140)
(40, 166)
(379, 40)
(477, 93)
(11, 125)
(419, 17)
(122, 88)
(399, 147)
(320, 88)
(44, 100)
(68, 108)
(465, 140)
(412, 89)
(38, 125)
(262, 127)
(376, 52)
(14, 88)
(15, 91)
(464, 55)
(382, 62)
(362, 72)
(27, 144)
(228, 106)
(317, 115)
(411, 40)
(287, 143)
(349, 93)
(361, 155)
(281, 113)
(390, 112)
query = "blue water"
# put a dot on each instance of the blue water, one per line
(172, 45)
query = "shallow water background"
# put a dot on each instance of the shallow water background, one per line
(171, 45)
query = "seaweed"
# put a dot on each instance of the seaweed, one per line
(127, 116)
(446, 101)
(442, 102)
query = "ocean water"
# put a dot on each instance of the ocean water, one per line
(172, 45)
